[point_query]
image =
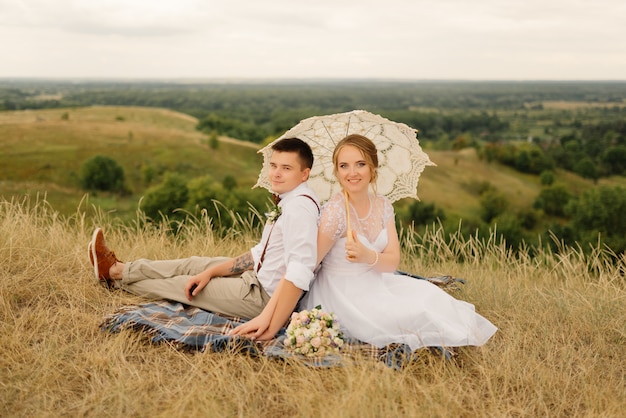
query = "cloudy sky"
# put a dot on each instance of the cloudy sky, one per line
(385, 39)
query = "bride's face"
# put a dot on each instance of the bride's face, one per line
(352, 171)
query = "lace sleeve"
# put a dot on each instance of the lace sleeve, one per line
(388, 212)
(333, 218)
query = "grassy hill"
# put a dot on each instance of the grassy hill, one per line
(41, 152)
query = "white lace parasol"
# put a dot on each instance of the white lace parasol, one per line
(400, 157)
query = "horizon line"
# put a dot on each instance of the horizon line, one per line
(235, 80)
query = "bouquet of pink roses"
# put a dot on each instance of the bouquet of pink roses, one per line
(313, 333)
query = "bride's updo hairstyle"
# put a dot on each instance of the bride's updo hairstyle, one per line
(367, 148)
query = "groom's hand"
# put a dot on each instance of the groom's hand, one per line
(195, 284)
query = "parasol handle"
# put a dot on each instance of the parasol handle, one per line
(349, 228)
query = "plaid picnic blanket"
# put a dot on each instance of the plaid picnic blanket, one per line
(191, 328)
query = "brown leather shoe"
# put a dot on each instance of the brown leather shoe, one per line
(101, 258)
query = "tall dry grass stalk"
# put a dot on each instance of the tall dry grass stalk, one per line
(559, 350)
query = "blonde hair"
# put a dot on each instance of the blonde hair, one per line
(368, 150)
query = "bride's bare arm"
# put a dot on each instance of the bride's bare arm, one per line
(389, 258)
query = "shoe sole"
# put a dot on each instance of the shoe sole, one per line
(91, 253)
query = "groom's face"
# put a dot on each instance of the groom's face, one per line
(286, 172)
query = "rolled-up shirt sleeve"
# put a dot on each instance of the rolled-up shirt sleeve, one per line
(300, 241)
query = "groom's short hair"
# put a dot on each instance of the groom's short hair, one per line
(298, 146)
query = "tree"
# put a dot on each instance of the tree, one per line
(614, 158)
(460, 142)
(492, 203)
(213, 141)
(509, 226)
(600, 213)
(229, 182)
(166, 197)
(527, 218)
(424, 213)
(102, 173)
(221, 203)
(552, 200)
(531, 159)
(204, 192)
(547, 177)
(522, 161)
(586, 168)
(148, 173)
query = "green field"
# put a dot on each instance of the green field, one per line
(41, 153)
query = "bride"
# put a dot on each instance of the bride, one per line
(359, 250)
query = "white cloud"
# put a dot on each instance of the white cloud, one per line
(392, 39)
(130, 18)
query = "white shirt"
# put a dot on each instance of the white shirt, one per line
(292, 249)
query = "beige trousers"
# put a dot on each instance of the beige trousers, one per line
(239, 295)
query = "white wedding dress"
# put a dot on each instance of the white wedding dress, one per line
(383, 308)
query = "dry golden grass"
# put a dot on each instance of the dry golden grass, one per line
(559, 350)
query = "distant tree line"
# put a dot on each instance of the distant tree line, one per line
(244, 99)
(463, 113)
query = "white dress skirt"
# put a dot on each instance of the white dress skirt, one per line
(384, 308)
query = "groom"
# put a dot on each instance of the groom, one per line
(264, 283)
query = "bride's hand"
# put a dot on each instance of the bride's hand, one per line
(356, 252)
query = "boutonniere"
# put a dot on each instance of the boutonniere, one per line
(274, 214)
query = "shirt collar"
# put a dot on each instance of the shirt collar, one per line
(302, 188)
